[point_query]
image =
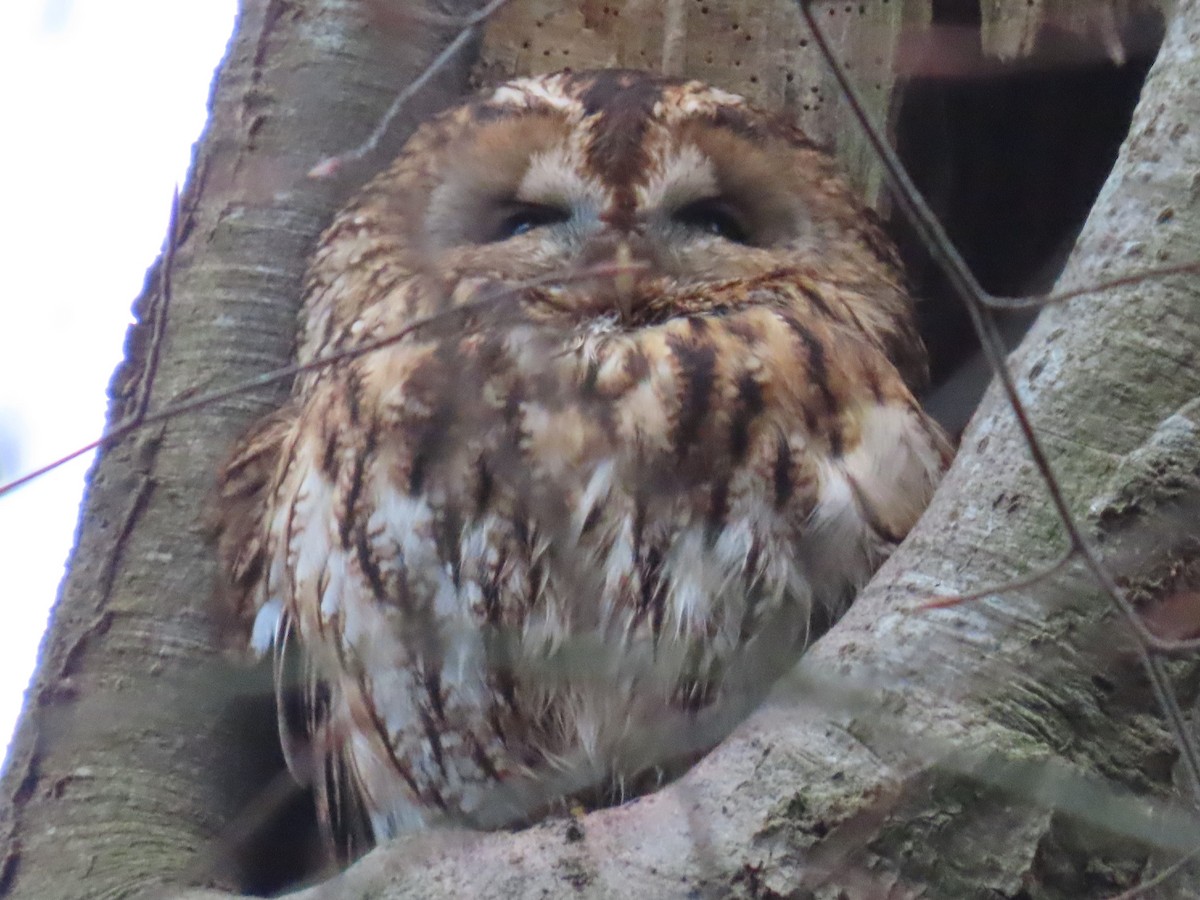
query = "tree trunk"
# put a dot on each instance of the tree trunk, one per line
(1008, 746)
(132, 756)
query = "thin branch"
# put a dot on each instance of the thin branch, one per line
(158, 317)
(171, 410)
(674, 47)
(1164, 646)
(330, 166)
(1167, 873)
(270, 800)
(1041, 300)
(144, 376)
(441, 20)
(1017, 584)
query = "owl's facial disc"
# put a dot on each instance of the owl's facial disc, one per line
(552, 176)
(549, 195)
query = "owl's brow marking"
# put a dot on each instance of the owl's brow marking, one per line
(466, 310)
(976, 301)
(616, 149)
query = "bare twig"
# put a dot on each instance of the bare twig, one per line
(1167, 873)
(1040, 300)
(330, 166)
(280, 790)
(136, 417)
(1017, 584)
(171, 410)
(1165, 646)
(160, 306)
(441, 20)
(674, 49)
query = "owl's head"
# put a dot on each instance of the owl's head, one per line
(683, 183)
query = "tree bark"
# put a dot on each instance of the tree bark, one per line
(131, 759)
(1003, 746)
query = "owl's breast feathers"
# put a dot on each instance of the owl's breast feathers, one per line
(534, 549)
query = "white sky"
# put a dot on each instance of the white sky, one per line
(100, 102)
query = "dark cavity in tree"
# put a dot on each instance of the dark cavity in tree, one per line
(1011, 156)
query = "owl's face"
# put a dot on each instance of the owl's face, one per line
(676, 183)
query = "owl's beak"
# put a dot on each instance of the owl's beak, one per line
(622, 262)
(624, 279)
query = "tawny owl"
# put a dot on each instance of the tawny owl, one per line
(653, 424)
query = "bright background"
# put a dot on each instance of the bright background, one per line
(100, 102)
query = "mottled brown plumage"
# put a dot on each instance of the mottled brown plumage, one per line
(569, 531)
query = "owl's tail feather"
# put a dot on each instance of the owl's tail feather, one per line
(311, 749)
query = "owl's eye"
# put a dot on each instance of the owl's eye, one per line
(711, 216)
(522, 218)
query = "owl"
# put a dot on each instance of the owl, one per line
(620, 413)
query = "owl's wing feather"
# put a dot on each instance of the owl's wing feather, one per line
(245, 483)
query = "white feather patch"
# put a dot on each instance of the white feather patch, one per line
(266, 626)
(553, 178)
(681, 176)
(895, 465)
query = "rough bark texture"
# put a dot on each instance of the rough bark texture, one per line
(990, 749)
